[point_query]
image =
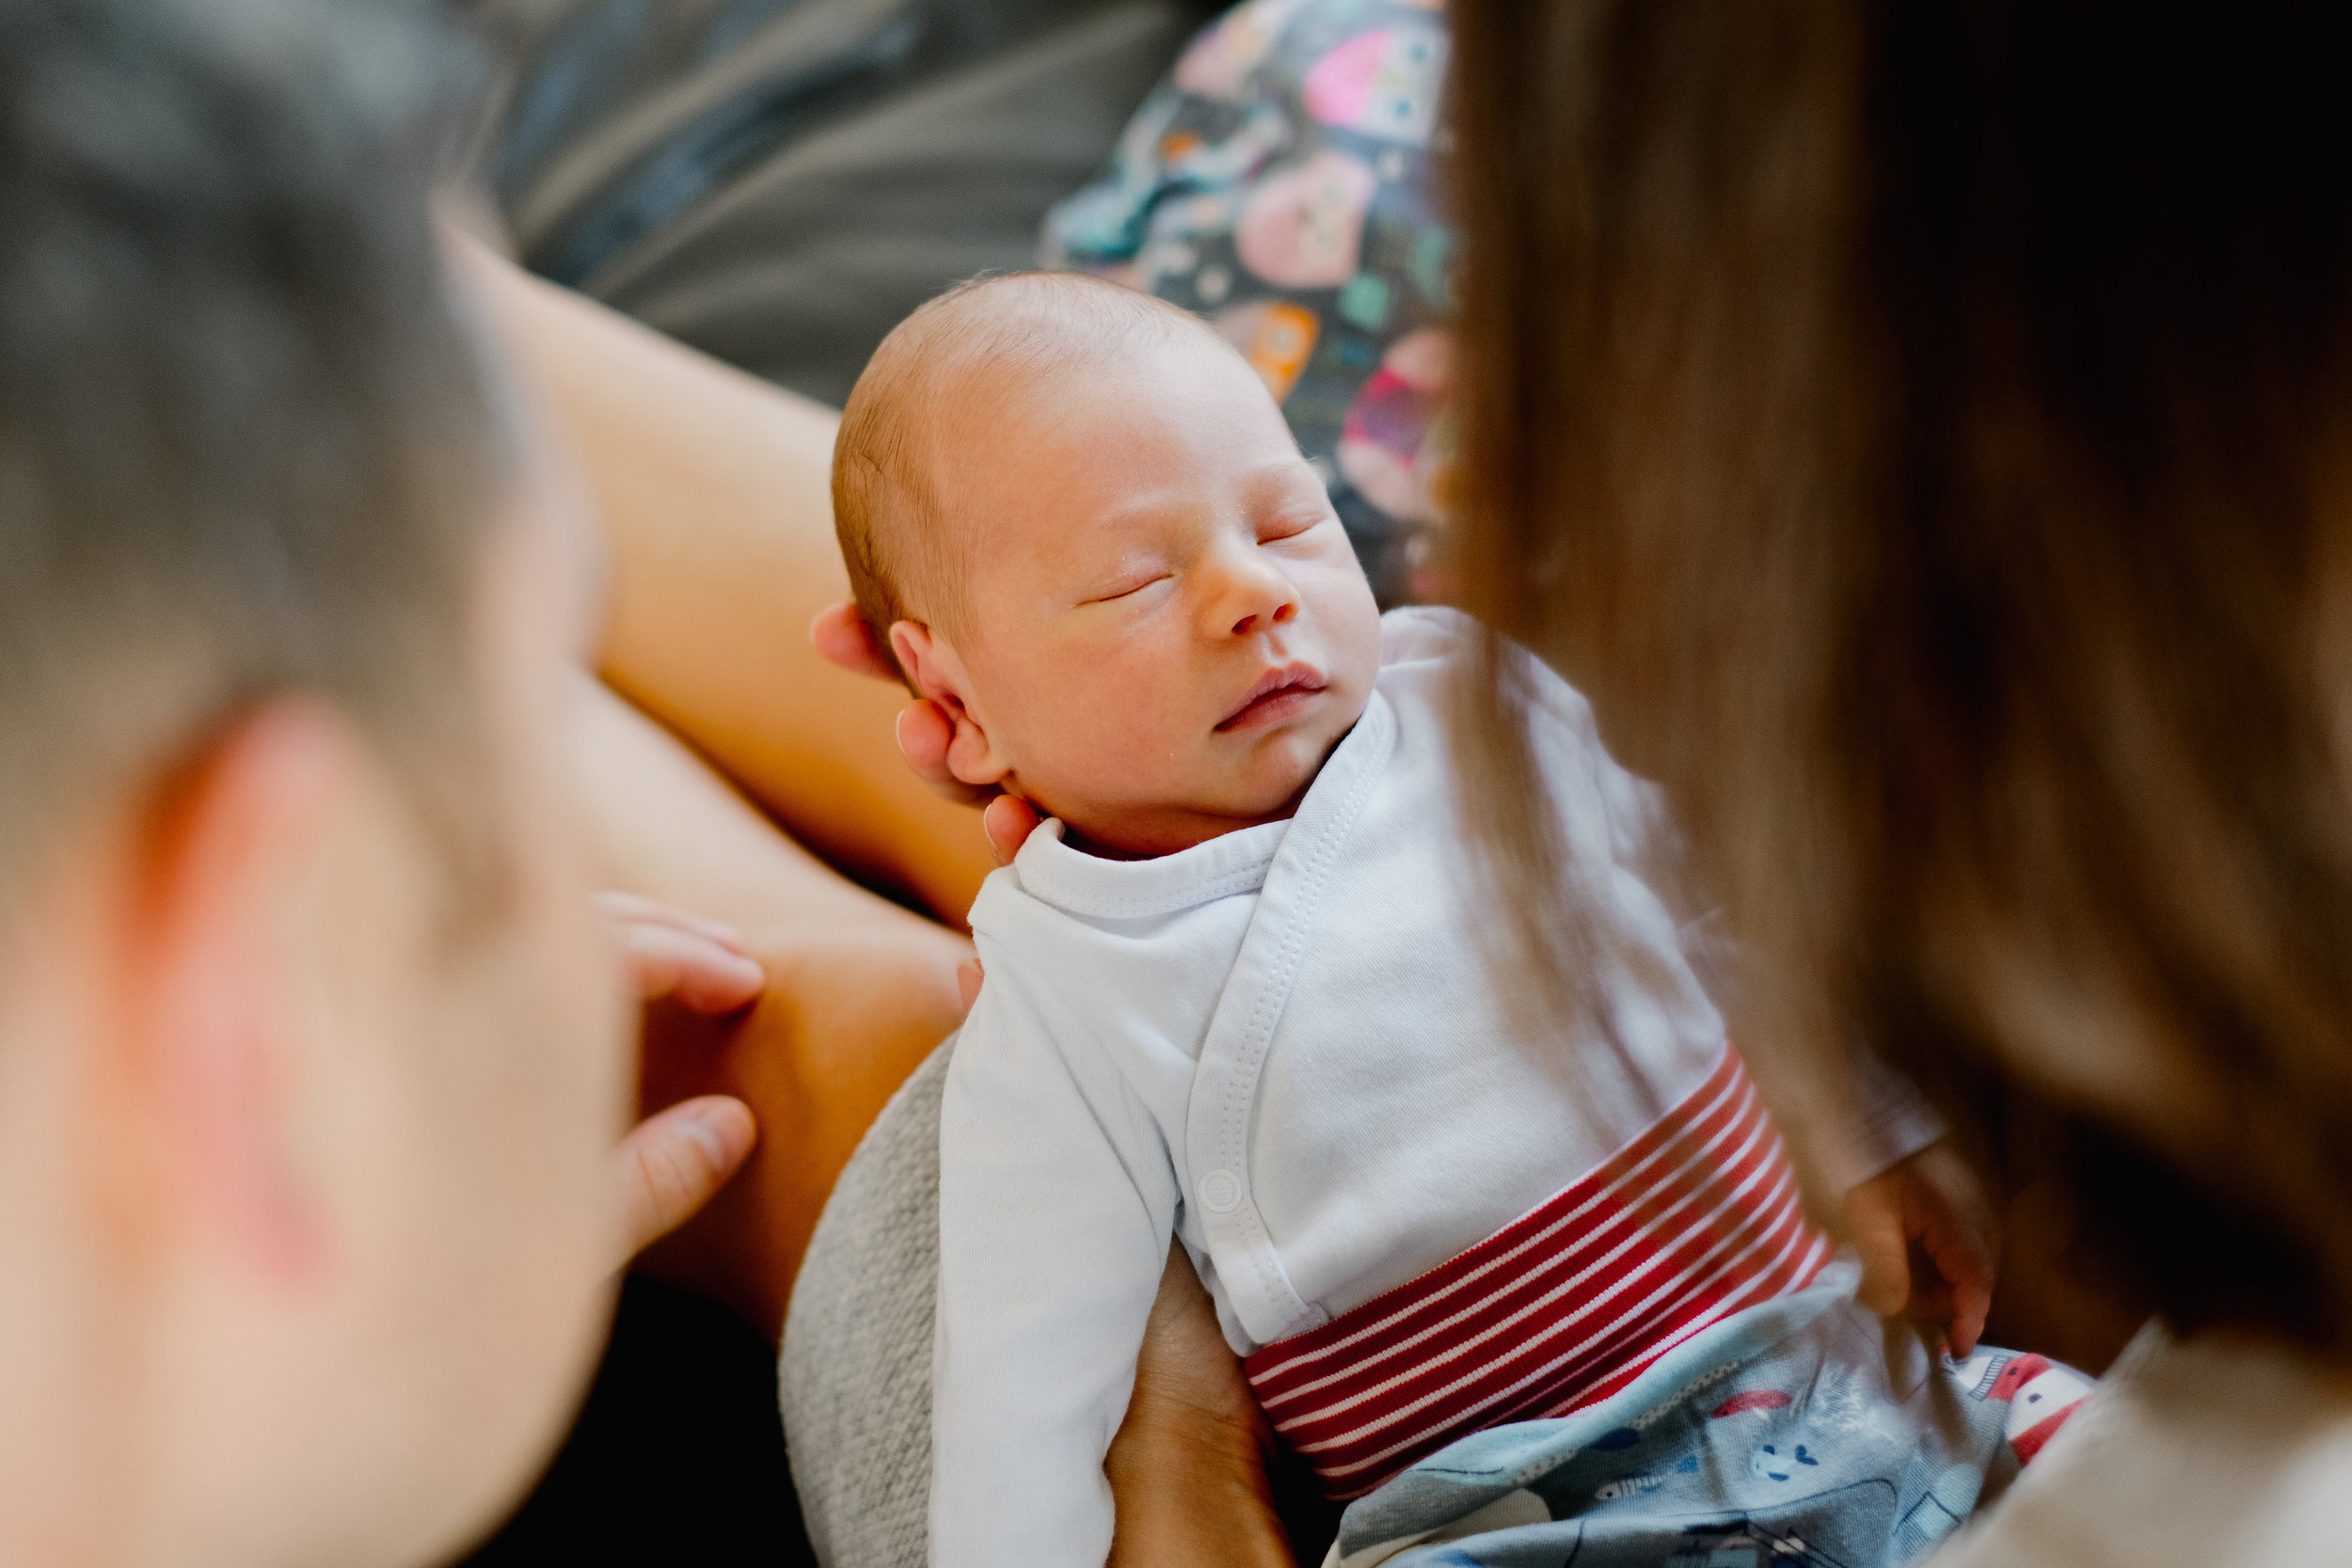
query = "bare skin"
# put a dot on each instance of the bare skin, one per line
(714, 493)
(1188, 1465)
(674, 1161)
(312, 1211)
(856, 991)
(1159, 649)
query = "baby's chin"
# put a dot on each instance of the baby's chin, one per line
(1268, 791)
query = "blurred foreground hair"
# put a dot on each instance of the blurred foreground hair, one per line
(248, 445)
(1921, 427)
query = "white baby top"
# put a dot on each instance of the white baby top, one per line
(1285, 1047)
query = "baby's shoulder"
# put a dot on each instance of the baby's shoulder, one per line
(1425, 648)
(1424, 634)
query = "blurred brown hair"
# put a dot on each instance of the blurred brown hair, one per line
(1920, 426)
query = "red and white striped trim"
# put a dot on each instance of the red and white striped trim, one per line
(1696, 1218)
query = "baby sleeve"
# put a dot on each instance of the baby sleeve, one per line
(1885, 1119)
(1056, 1200)
(1889, 1122)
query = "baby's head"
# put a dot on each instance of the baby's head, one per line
(1076, 518)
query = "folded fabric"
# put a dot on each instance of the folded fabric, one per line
(1805, 1432)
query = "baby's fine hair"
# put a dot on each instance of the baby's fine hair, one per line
(994, 337)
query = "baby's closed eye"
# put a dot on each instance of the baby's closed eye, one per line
(1291, 523)
(1128, 582)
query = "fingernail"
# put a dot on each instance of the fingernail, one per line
(706, 1139)
(720, 932)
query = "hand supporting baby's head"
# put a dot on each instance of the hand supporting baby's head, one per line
(1078, 522)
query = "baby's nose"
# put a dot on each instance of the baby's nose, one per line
(1286, 609)
(1254, 596)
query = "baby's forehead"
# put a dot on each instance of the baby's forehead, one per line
(1002, 354)
(1001, 392)
(992, 397)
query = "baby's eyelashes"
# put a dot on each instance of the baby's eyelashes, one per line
(1129, 585)
(1290, 525)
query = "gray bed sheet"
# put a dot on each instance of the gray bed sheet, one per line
(778, 182)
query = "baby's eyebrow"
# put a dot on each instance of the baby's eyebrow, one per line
(1127, 536)
(1124, 575)
(1296, 470)
(1135, 558)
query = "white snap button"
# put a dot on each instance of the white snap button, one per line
(1220, 1192)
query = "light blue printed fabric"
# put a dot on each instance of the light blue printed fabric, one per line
(1802, 1433)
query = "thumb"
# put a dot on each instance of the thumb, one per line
(1008, 821)
(674, 1163)
(840, 636)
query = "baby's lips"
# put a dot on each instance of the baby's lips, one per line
(1292, 676)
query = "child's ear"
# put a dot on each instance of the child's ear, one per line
(938, 674)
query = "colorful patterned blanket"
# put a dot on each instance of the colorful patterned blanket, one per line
(1281, 183)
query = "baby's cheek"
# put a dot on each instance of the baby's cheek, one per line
(1120, 742)
(1364, 652)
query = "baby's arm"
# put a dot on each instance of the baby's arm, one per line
(1056, 1204)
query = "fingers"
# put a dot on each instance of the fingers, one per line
(1965, 1258)
(1971, 1306)
(968, 977)
(1879, 1241)
(1928, 1244)
(672, 1164)
(840, 637)
(678, 957)
(618, 907)
(1959, 1236)
(924, 733)
(1008, 821)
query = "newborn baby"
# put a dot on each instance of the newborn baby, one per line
(1236, 987)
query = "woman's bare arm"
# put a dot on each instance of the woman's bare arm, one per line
(716, 494)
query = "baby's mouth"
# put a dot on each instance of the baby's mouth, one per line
(1279, 695)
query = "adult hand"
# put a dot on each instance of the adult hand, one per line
(1926, 1240)
(1187, 1468)
(672, 1164)
(840, 637)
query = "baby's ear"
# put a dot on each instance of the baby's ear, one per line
(939, 677)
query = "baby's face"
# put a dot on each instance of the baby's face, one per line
(1169, 630)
